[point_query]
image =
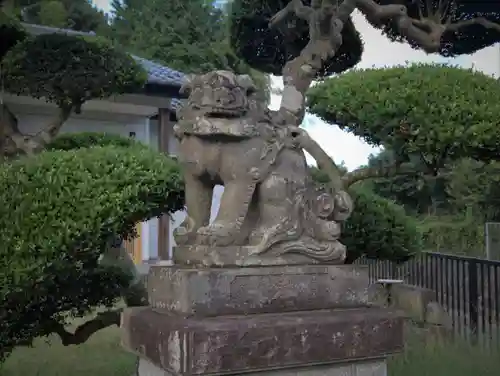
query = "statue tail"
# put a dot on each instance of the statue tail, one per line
(343, 202)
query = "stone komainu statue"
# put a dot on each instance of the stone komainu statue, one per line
(270, 211)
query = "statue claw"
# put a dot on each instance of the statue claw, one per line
(216, 235)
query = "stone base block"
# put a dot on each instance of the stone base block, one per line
(371, 368)
(232, 291)
(231, 345)
(236, 256)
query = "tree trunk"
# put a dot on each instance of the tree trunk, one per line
(14, 143)
(326, 21)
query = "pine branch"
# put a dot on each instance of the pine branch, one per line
(365, 173)
(475, 21)
(87, 329)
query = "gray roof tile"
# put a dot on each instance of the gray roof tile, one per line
(159, 74)
(176, 104)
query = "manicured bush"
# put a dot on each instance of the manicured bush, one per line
(434, 111)
(60, 212)
(379, 229)
(69, 70)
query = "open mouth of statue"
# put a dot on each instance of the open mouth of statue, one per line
(223, 112)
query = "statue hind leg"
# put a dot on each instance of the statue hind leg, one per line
(276, 200)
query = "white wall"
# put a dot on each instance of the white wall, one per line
(178, 216)
(31, 123)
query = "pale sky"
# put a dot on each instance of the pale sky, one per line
(379, 52)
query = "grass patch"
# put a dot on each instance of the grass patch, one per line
(101, 355)
(440, 357)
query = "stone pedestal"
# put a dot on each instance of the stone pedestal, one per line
(356, 368)
(283, 320)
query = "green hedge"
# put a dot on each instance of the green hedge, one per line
(60, 211)
(379, 229)
(71, 141)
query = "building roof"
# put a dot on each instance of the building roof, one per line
(158, 75)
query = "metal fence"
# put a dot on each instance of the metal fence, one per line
(467, 288)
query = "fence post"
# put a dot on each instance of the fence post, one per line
(473, 298)
(394, 270)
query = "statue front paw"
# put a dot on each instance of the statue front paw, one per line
(216, 235)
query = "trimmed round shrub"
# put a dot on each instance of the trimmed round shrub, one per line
(441, 112)
(60, 211)
(69, 70)
(379, 229)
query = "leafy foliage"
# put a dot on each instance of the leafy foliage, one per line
(418, 192)
(267, 50)
(72, 141)
(450, 208)
(379, 229)
(320, 177)
(458, 234)
(434, 13)
(11, 33)
(198, 44)
(60, 211)
(464, 185)
(152, 29)
(440, 113)
(69, 70)
(78, 15)
(474, 186)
